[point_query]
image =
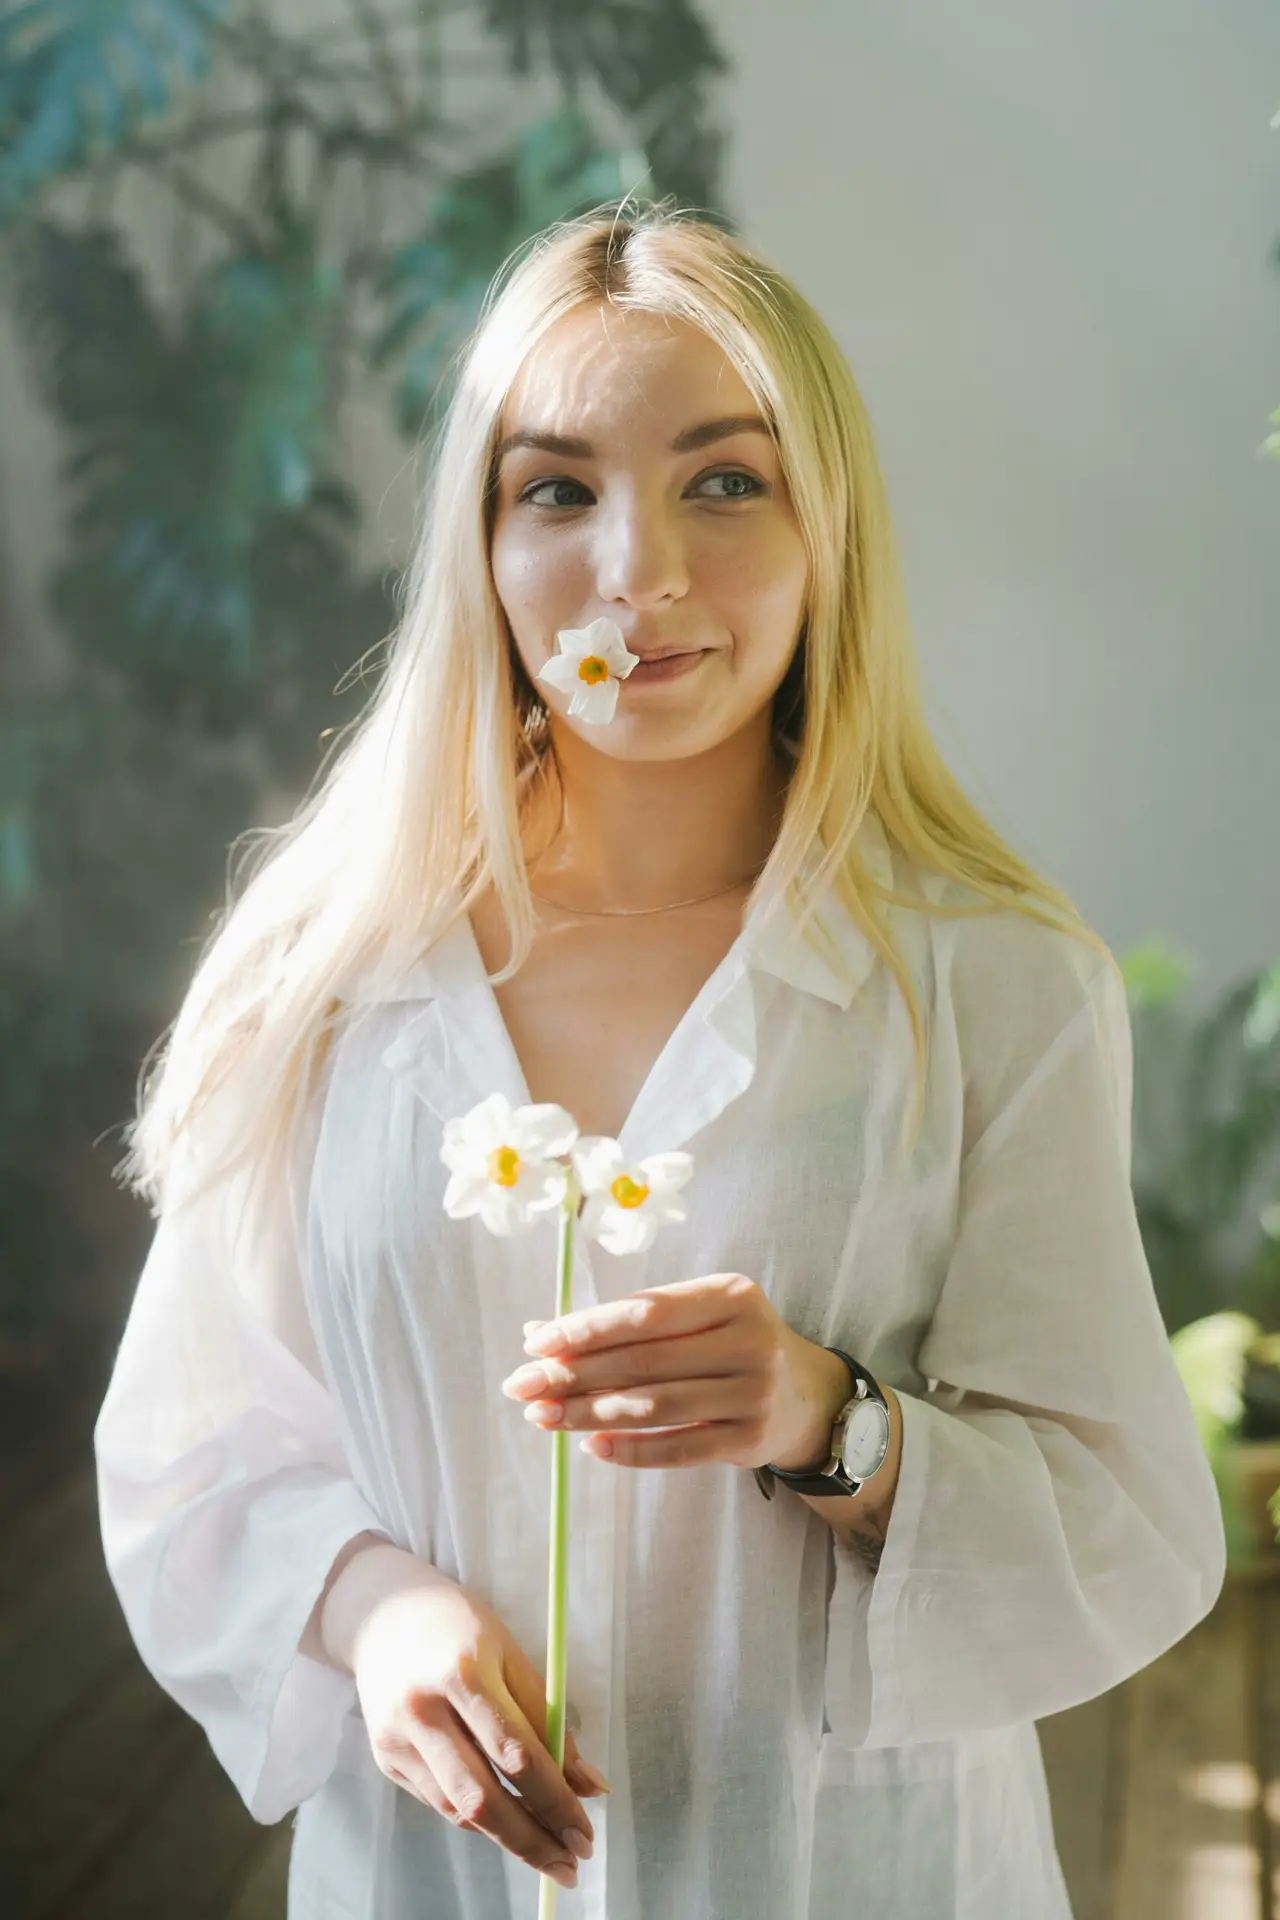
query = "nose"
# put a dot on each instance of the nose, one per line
(640, 556)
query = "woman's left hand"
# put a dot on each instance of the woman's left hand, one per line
(709, 1356)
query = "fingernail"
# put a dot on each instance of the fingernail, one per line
(548, 1339)
(530, 1326)
(594, 1775)
(577, 1842)
(564, 1876)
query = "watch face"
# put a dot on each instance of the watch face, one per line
(866, 1439)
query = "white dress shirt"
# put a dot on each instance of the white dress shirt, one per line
(788, 1735)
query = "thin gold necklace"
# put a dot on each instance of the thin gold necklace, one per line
(610, 913)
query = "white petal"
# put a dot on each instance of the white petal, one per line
(486, 1125)
(597, 1159)
(665, 1209)
(596, 637)
(539, 1186)
(543, 1130)
(593, 1215)
(575, 644)
(464, 1193)
(456, 1150)
(467, 1142)
(666, 1171)
(617, 658)
(561, 672)
(595, 705)
(503, 1214)
(627, 1230)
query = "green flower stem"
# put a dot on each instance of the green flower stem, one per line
(559, 1558)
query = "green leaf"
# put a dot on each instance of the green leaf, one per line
(433, 286)
(258, 341)
(633, 48)
(17, 866)
(182, 446)
(1262, 1022)
(653, 59)
(1210, 1358)
(560, 169)
(77, 76)
(1154, 975)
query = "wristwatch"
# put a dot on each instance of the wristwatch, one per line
(859, 1442)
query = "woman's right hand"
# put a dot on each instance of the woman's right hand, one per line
(451, 1703)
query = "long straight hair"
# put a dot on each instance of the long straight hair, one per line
(424, 800)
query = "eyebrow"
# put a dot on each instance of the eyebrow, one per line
(569, 447)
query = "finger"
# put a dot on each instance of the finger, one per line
(726, 1440)
(501, 1718)
(715, 1352)
(410, 1772)
(676, 1403)
(475, 1797)
(685, 1306)
(583, 1781)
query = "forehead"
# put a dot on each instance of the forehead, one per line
(614, 368)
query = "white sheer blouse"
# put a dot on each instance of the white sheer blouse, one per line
(787, 1734)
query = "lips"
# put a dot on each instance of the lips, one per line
(658, 667)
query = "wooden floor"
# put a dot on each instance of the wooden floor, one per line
(1166, 1792)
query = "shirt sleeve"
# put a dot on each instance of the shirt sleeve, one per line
(1056, 1525)
(224, 1489)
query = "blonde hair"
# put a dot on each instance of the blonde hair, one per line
(424, 802)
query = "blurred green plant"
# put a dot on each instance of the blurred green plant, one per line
(335, 224)
(1206, 1178)
(1211, 1356)
(1206, 1138)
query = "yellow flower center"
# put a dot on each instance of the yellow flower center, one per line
(504, 1166)
(592, 669)
(628, 1192)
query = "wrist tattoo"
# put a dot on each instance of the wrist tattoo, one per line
(867, 1545)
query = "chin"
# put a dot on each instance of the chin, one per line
(654, 737)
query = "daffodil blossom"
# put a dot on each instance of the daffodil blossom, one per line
(628, 1200)
(504, 1162)
(508, 1165)
(591, 662)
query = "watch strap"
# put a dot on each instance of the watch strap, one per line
(816, 1482)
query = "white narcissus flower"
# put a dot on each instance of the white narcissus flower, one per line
(628, 1200)
(591, 662)
(503, 1162)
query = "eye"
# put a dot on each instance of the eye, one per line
(527, 497)
(752, 486)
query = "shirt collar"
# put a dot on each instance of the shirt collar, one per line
(831, 958)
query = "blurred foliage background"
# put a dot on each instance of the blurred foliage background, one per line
(339, 224)
(341, 212)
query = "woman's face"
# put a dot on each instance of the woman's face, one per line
(649, 499)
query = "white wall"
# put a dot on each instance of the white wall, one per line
(1041, 230)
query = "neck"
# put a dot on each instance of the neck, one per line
(639, 833)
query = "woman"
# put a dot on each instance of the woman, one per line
(752, 915)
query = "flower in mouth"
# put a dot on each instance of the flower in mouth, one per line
(591, 662)
(503, 1162)
(627, 1201)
